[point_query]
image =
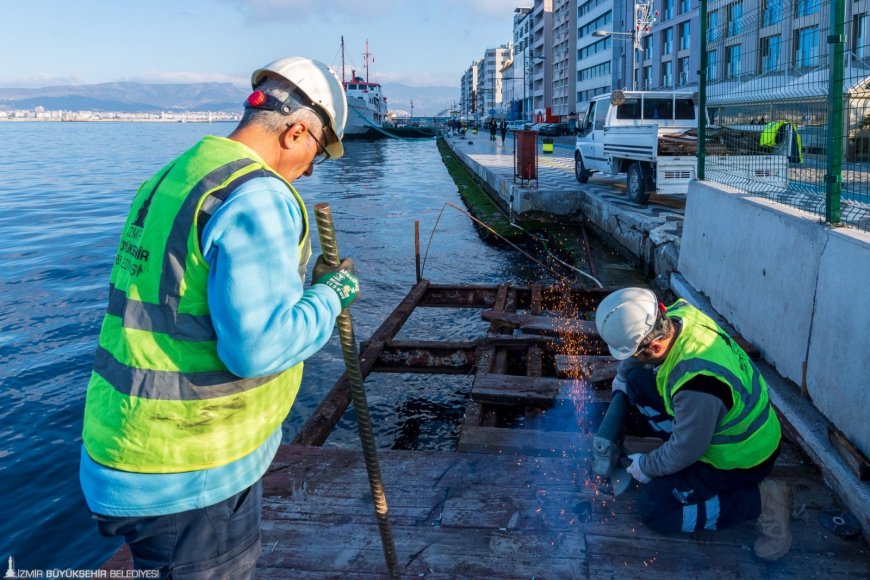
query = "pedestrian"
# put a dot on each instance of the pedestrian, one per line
(493, 127)
(701, 391)
(503, 128)
(200, 352)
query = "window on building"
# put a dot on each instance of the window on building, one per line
(668, 74)
(685, 6)
(647, 44)
(712, 25)
(859, 36)
(806, 7)
(771, 12)
(806, 47)
(735, 15)
(647, 78)
(712, 65)
(685, 34)
(769, 51)
(667, 9)
(667, 40)
(732, 61)
(684, 71)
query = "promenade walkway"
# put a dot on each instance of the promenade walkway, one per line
(649, 235)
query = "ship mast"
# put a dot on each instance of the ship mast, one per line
(367, 54)
(342, 59)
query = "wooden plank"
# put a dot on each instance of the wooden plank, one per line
(856, 460)
(596, 370)
(423, 552)
(534, 361)
(540, 443)
(546, 325)
(501, 389)
(317, 427)
(535, 305)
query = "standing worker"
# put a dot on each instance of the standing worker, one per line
(503, 129)
(692, 380)
(493, 126)
(200, 352)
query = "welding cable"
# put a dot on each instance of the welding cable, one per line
(541, 239)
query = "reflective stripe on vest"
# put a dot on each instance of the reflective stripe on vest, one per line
(160, 400)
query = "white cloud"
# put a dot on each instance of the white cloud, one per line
(300, 10)
(367, 10)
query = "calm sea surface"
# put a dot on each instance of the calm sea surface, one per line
(64, 192)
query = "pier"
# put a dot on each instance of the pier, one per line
(515, 499)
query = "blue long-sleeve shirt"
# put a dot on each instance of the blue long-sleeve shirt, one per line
(265, 323)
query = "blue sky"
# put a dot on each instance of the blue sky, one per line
(416, 42)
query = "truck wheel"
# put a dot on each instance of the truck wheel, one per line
(636, 184)
(580, 171)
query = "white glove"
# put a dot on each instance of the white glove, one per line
(634, 469)
(619, 384)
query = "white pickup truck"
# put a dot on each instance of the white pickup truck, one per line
(651, 136)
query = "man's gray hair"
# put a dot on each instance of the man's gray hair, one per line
(276, 121)
(661, 329)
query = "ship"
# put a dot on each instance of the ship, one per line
(367, 108)
(367, 105)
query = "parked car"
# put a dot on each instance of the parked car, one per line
(556, 129)
(517, 126)
(538, 126)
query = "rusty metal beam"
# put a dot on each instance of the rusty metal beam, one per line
(527, 298)
(321, 422)
(426, 357)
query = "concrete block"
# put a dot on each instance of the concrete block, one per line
(758, 262)
(838, 367)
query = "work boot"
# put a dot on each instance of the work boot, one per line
(775, 538)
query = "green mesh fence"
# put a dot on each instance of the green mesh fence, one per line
(769, 66)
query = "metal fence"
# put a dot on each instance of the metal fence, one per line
(787, 85)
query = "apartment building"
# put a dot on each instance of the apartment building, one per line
(564, 103)
(517, 76)
(468, 91)
(541, 60)
(595, 54)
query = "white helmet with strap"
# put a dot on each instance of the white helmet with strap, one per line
(624, 318)
(319, 88)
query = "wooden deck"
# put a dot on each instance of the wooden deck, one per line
(471, 515)
(515, 498)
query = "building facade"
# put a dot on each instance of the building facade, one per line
(564, 95)
(541, 59)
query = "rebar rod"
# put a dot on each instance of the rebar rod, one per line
(329, 248)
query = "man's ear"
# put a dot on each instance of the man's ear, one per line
(293, 135)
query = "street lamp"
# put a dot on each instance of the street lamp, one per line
(625, 36)
(644, 17)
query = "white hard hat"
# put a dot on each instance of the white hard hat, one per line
(624, 318)
(322, 89)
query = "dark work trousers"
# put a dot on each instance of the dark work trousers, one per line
(700, 497)
(216, 542)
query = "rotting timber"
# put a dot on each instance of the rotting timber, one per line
(515, 498)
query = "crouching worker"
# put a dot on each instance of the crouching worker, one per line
(200, 353)
(698, 387)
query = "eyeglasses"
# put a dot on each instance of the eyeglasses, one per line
(322, 154)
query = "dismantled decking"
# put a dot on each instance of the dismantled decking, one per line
(515, 500)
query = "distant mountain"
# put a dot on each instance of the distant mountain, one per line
(428, 101)
(144, 97)
(128, 97)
